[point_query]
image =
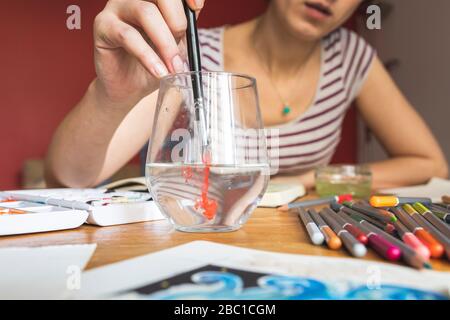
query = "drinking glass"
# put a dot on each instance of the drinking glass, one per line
(207, 163)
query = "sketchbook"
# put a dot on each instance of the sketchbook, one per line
(276, 194)
(40, 210)
(435, 189)
(206, 270)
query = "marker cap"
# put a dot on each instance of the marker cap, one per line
(383, 201)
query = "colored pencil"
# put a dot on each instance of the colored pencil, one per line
(354, 231)
(315, 202)
(380, 245)
(388, 227)
(375, 213)
(441, 212)
(411, 240)
(416, 226)
(11, 211)
(314, 233)
(441, 238)
(410, 256)
(331, 238)
(393, 201)
(443, 206)
(435, 221)
(356, 248)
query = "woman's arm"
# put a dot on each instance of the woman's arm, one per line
(415, 156)
(97, 138)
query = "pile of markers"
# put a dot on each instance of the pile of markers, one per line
(409, 229)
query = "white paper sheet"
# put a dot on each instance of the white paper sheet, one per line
(434, 189)
(131, 274)
(42, 272)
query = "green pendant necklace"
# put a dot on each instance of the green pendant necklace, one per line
(286, 110)
(285, 105)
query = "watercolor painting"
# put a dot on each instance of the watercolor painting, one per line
(214, 282)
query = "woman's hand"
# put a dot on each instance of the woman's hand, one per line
(136, 43)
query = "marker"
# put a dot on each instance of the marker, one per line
(410, 256)
(379, 214)
(435, 221)
(380, 245)
(11, 211)
(388, 227)
(354, 231)
(442, 239)
(331, 238)
(393, 201)
(316, 202)
(442, 206)
(7, 200)
(441, 212)
(315, 235)
(411, 240)
(415, 225)
(351, 244)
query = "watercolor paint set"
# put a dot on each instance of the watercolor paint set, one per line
(41, 210)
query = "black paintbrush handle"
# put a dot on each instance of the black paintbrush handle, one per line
(193, 48)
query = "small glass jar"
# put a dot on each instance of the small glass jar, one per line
(344, 179)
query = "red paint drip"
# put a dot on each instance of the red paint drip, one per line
(209, 206)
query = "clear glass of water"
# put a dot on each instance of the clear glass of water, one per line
(207, 163)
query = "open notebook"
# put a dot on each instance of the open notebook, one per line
(276, 194)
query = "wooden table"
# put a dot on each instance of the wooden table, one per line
(267, 229)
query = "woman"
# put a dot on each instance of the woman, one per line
(308, 68)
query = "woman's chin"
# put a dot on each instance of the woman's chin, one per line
(307, 31)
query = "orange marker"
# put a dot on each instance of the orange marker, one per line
(393, 201)
(436, 249)
(332, 240)
(11, 211)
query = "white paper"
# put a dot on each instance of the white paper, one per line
(42, 272)
(434, 189)
(126, 275)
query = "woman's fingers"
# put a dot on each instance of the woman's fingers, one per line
(120, 34)
(173, 13)
(196, 4)
(147, 16)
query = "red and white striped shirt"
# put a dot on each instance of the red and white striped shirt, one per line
(312, 138)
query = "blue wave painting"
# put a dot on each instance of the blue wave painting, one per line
(216, 283)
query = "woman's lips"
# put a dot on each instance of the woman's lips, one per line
(317, 10)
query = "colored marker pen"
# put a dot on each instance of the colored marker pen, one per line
(439, 224)
(392, 201)
(315, 235)
(380, 245)
(331, 238)
(411, 240)
(436, 249)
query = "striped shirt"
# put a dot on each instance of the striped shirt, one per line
(312, 138)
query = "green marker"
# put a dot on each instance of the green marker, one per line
(379, 214)
(435, 221)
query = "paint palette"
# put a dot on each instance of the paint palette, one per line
(21, 217)
(30, 211)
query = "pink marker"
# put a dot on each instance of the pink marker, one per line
(412, 241)
(383, 247)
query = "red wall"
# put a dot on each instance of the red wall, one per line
(45, 69)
